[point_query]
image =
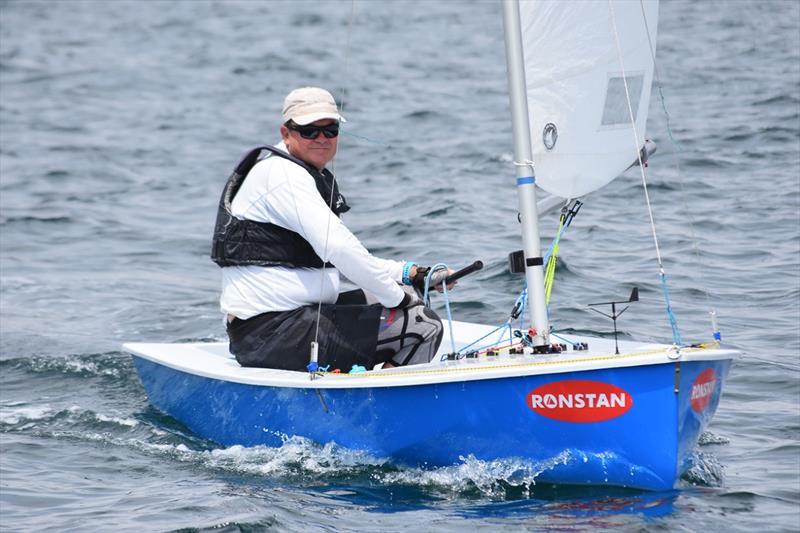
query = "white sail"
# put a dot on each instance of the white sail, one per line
(580, 123)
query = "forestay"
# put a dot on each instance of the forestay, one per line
(579, 117)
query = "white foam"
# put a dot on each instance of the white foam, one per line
(708, 437)
(14, 414)
(483, 475)
(72, 364)
(706, 470)
(129, 422)
(295, 454)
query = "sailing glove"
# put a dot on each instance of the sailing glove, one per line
(409, 300)
(437, 278)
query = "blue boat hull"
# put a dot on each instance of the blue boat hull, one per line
(647, 443)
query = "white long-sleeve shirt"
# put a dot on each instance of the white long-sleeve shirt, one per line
(283, 193)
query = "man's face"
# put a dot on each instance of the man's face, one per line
(316, 152)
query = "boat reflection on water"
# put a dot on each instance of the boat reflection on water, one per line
(539, 506)
(545, 505)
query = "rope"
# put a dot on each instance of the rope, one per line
(676, 335)
(679, 149)
(673, 323)
(343, 91)
(556, 335)
(568, 212)
(365, 138)
(550, 271)
(426, 299)
(498, 328)
(469, 368)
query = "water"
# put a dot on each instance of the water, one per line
(118, 125)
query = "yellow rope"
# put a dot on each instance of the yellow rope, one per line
(550, 271)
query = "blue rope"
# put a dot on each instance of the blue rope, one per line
(556, 335)
(484, 347)
(679, 147)
(426, 300)
(676, 335)
(521, 303)
(495, 330)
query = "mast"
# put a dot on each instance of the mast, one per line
(526, 180)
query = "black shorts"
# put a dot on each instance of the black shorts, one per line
(348, 335)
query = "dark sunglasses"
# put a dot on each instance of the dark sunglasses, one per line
(330, 131)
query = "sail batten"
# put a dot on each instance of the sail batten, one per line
(579, 117)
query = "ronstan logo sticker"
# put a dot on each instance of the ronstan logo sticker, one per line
(703, 389)
(580, 401)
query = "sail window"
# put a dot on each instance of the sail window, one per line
(615, 111)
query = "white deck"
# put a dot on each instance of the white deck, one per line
(213, 360)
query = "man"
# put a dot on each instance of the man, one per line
(282, 247)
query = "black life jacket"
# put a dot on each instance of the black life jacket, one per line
(239, 242)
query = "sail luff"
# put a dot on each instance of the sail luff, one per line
(526, 181)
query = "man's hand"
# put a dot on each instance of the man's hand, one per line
(437, 279)
(409, 300)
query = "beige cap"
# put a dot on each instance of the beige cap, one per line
(309, 104)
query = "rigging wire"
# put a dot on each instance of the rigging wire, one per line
(676, 336)
(343, 92)
(679, 149)
(562, 225)
(570, 209)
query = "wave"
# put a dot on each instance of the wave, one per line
(19, 415)
(778, 99)
(298, 460)
(25, 219)
(496, 479)
(423, 114)
(707, 438)
(706, 471)
(112, 365)
(307, 19)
